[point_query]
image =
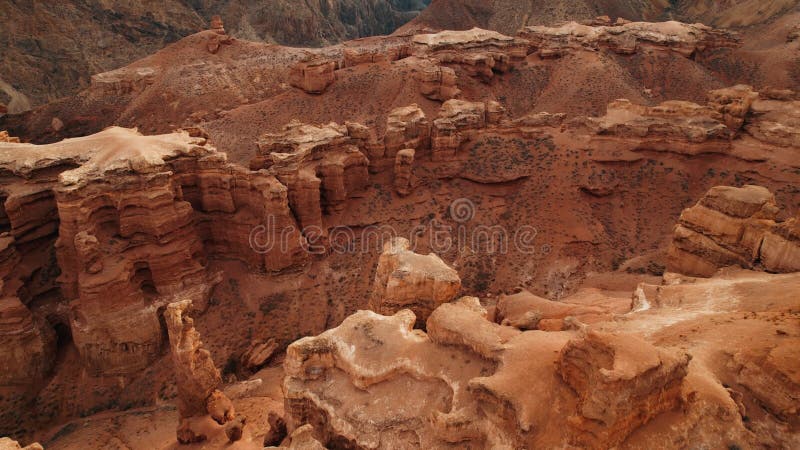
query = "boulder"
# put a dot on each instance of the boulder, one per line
(313, 75)
(407, 280)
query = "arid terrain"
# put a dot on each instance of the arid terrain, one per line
(508, 224)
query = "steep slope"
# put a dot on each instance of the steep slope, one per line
(52, 48)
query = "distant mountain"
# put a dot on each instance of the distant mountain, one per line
(51, 49)
(507, 16)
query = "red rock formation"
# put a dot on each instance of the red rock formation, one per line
(4, 137)
(733, 103)
(403, 171)
(438, 82)
(614, 377)
(479, 52)
(475, 383)
(775, 120)
(321, 167)
(197, 378)
(406, 127)
(27, 345)
(455, 118)
(10, 444)
(734, 226)
(258, 354)
(313, 75)
(370, 51)
(626, 38)
(677, 125)
(405, 279)
(794, 34)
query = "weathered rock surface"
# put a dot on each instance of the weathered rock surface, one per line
(27, 345)
(196, 376)
(775, 120)
(485, 393)
(403, 171)
(313, 75)
(614, 377)
(794, 34)
(438, 82)
(626, 38)
(258, 354)
(407, 280)
(4, 137)
(10, 444)
(320, 166)
(479, 52)
(678, 125)
(734, 226)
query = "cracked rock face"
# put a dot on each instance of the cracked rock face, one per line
(626, 38)
(734, 226)
(407, 280)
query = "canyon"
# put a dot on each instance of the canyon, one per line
(579, 233)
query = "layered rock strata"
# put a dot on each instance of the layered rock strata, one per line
(313, 75)
(407, 280)
(473, 384)
(138, 216)
(197, 378)
(478, 52)
(734, 226)
(626, 38)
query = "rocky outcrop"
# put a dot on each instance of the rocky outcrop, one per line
(218, 36)
(437, 82)
(4, 137)
(771, 116)
(321, 167)
(676, 126)
(626, 38)
(146, 235)
(456, 118)
(371, 51)
(528, 311)
(733, 103)
(471, 382)
(614, 377)
(775, 119)
(27, 345)
(313, 75)
(132, 215)
(406, 127)
(403, 171)
(10, 444)
(258, 354)
(670, 120)
(478, 52)
(405, 279)
(734, 226)
(196, 376)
